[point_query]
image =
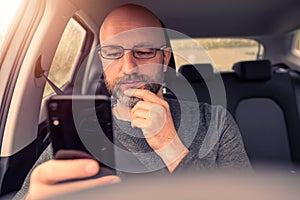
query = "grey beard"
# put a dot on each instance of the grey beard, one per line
(125, 100)
(132, 101)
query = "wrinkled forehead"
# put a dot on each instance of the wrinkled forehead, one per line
(144, 37)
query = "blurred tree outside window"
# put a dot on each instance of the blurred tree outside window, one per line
(66, 56)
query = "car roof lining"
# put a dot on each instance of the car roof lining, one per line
(212, 18)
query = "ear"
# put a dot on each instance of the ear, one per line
(167, 55)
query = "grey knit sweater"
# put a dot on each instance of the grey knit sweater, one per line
(209, 132)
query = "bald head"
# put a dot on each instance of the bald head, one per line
(133, 50)
(127, 17)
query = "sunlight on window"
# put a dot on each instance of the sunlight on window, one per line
(8, 10)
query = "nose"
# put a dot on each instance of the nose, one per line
(129, 64)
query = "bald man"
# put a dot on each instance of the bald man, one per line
(140, 32)
(151, 131)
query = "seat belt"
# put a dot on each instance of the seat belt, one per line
(39, 72)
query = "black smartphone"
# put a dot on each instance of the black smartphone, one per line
(82, 124)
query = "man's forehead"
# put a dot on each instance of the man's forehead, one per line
(146, 36)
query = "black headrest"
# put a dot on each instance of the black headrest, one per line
(253, 70)
(197, 72)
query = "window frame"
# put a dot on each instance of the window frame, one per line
(12, 59)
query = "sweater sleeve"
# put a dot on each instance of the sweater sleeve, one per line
(231, 152)
(45, 156)
(217, 145)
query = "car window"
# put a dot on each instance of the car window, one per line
(67, 55)
(222, 52)
(296, 45)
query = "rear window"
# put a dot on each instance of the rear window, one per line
(222, 53)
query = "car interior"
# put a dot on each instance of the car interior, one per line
(262, 93)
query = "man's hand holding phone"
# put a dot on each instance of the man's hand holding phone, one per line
(52, 177)
(73, 167)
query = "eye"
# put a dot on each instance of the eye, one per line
(113, 54)
(144, 52)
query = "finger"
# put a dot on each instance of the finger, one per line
(140, 123)
(79, 185)
(146, 95)
(141, 109)
(148, 110)
(55, 171)
(144, 105)
(142, 114)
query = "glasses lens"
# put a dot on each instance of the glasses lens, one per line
(144, 53)
(111, 52)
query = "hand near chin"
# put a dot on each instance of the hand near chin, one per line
(154, 118)
(51, 178)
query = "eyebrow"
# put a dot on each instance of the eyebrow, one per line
(139, 45)
(144, 44)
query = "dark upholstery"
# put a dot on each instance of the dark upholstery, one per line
(264, 104)
(197, 72)
(266, 111)
(264, 130)
(253, 70)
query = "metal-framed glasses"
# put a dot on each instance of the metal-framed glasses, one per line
(116, 52)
